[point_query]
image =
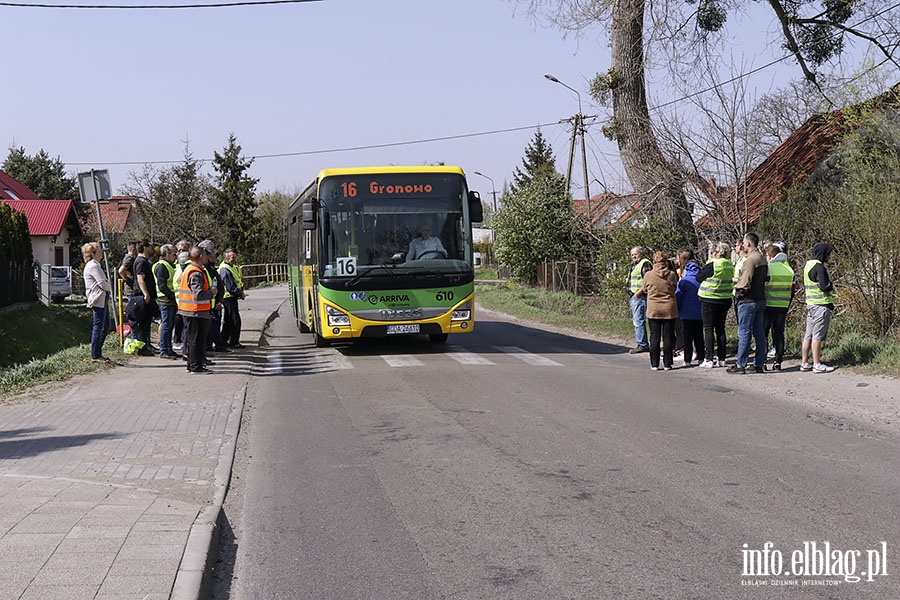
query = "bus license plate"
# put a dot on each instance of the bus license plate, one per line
(414, 328)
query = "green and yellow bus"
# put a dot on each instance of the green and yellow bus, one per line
(361, 261)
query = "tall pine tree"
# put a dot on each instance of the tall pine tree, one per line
(538, 162)
(235, 200)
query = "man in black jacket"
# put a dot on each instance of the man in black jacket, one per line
(143, 298)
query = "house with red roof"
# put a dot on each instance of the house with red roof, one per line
(52, 224)
(119, 214)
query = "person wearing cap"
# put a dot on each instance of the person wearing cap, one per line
(195, 304)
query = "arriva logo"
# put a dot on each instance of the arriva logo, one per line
(387, 298)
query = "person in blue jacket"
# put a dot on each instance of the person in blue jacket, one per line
(689, 308)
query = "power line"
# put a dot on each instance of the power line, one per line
(334, 150)
(154, 6)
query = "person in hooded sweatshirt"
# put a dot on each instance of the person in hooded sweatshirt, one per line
(780, 291)
(688, 300)
(819, 307)
(662, 309)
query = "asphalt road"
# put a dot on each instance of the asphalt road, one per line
(519, 463)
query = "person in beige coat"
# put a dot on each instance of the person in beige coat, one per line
(662, 309)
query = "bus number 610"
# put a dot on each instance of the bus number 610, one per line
(441, 296)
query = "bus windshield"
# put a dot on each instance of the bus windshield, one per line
(396, 223)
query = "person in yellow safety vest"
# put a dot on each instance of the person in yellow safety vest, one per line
(819, 308)
(638, 303)
(164, 272)
(780, 291)
(214, 334)
(234, 291)
(195, 305)
(715, 293)
(182, 261)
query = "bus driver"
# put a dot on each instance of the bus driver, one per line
(424, 246)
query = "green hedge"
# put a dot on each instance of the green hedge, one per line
(16, 258)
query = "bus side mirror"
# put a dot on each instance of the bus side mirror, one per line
(476, 210)
(308, 216)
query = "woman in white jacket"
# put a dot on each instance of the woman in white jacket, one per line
(96, 288)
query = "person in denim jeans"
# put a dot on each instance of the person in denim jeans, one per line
(638, 302)
(166, 287)
(96, 288)
(750, 300)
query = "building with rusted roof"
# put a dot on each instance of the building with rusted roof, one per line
(802, 157)
(119, 214)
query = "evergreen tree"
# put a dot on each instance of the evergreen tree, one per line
(234, 204)
(536, 223)
(538, 162)
(175, 202)
(44, 176)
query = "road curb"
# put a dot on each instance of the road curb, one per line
(193, 579)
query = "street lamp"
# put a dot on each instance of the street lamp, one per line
(577, 129)
(555, 80)
(493, 192)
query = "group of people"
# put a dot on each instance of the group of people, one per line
(680, 299)
(194, 299)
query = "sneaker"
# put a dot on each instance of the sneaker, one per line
(806, 367)
(237, 346)
(771, 353)
(776, 366)
(736, 370)
(667, 368)
(177, 347)
(759, 369)
(707, 364)
(638, 350)
(822, 368)
(721, 363)
(688, 363)
(654, 368)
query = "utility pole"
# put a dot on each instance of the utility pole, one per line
(578, 129)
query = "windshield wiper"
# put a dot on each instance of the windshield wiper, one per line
(355, 280)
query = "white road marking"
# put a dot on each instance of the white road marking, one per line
(527, 357)
(403, 360)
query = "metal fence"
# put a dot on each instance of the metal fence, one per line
(253, 275)
(571, 276)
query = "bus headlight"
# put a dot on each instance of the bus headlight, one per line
(463, 312)
(336, 317)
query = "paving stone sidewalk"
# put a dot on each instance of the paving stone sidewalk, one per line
(111, 482)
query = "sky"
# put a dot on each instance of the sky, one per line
(313, 81)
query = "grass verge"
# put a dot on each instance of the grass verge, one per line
(47, 343)
(61, 365)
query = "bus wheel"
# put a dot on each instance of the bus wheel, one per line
(438, 338)
(321, 342)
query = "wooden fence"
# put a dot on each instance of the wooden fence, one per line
(253, 275)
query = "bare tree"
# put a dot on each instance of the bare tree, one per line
(813, 36)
